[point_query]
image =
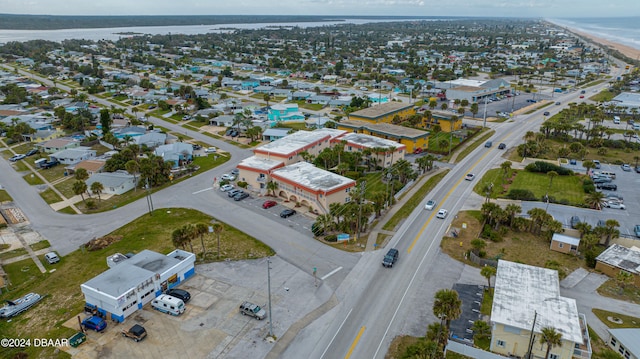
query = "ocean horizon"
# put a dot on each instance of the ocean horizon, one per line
(623, 30)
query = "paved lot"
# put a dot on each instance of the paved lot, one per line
(212, 327)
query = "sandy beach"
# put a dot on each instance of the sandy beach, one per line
(628, 51)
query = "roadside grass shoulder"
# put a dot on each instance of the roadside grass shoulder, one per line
(50, 196)
(5, 196)
(477, 141)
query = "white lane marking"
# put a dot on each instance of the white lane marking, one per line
(202, 190)
(331, 273)
(335, 335)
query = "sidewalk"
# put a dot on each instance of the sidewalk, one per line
(373, 235)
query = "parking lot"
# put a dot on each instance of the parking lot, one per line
(211, 326)
(627, 183)
(301, 221)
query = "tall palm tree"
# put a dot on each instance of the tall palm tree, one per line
(447, 307)
(200, 229)
(488, 272)
(178, 238)
(611, 230)
(551, 338)
(595, 200)
(97, 188)
(133, 167)
(79, 188)
(272, 187)
(511, 210)
(217, 229)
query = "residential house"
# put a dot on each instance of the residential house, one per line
(151, 139)
(625, 341)
(117, 183)
(91, 166)
(311, 187)
(617, 258)
(385, 153)
(222, 121)
(383, 113)
(528, 298)
(410, 138)
(178, 153)
(565, 244)
(272, 134)
(75, 155)
(285, 112)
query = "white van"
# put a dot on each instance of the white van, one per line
(39, 162)
(168, 304)
(616, 120)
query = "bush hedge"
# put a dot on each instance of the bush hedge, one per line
(544, 167)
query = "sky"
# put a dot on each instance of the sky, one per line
(479, 8)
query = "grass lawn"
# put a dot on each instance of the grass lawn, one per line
(413, 202)
(611, 289)
(20, 166)
(4, 196)
(627, 321)
(301, 126)
(23, 147)
(63, 298)
(521, 247)
(20, 251)
(32, 179)
(50, 196)
(476, 142)
(563, 189)
(53, 173)
(66, 187)
(487, 302)
(67, 210)
(399, 345)
(434, 142)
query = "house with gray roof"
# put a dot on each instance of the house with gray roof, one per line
(72, 156)
(151, 139)
(118, 182)
(625, 341)
(177, 153)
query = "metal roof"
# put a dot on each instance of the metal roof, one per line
(565, 239)
(629, 338)
(309, 176)
(381, 110)
(297, 141)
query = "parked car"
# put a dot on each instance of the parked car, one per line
(180, 294)
(196, 147)
(637, 169)
(417, 151)
(607, 186)
(52, 257)
(390, 258)
(625, 167)
(636, 230)
(614, 205)
(469, 177)
(287, 213)
(597, 163)
(95, 323)
(601, 223)
(573, 162)
(136, 332)
(252, 310)
(228, 177)
(601, 179)
(233, 192)
(210, 150)
(17, 157)
(235, 172)
(49, 164)
(575, 220)
(32, 152)
(269, 204)
(488, 144)
(240, 196)
(583, 91)
(431, 204)
(442, 214)
(226, 187)
(502, 146)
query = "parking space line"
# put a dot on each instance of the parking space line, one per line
(202, 190)
(331, 273)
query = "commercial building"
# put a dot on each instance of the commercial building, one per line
(384, 152)
(526, 298)
(383, 113)
(446, 121)
(617, 258)
(120, 291)
(410, 138)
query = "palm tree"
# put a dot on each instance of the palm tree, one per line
(506, 167)
(488, 272)
(551, 175)
(447, 307)
(511, 210)
(611, 230)
(595, 200)
(481, 329)
(551, 338)
(133, 167)
(81, 174)
(189, 234)
(201, 229)
(97, 188)
(272, 187)
(178, 238)
(217, 229)
(79, 188)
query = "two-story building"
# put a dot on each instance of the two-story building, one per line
(383, 113)
(284, 112)
(527, 297)
(410, 138)
(385, 153)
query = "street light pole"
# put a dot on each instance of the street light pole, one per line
(269, 288)
(484, 120)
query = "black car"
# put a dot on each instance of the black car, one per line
(502, 146)
(32, 152)
(573, 162)
(240, 196)
(575, 220)
(179, 293)
(287, 213)
(546, 113)
(600, 180)
(49, 164)
(390, 258)
(607, 186)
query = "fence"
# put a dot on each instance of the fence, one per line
(482, 261)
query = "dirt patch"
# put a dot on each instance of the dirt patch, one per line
(399, 345)
(102, 242)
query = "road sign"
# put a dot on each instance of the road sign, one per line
(342, 237)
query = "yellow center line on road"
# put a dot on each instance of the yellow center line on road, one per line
(424, 226)
(355, 342)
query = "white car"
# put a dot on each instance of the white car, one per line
(228, 177)
(431, 204)
(469, 176)
(614, 205)
(226, 187)
(442, 214)
(210, 150)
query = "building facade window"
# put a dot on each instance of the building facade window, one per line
(553, 356)
(501, 343)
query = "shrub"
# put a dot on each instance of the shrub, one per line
(91, 204)
(242, 184)
(331, 238)
(590, 258)
(521, 194)
(588, 186)
(544, 167)
(316, 229)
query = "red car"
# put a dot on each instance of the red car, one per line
(269, 204)
(581, 96)
(417, 151)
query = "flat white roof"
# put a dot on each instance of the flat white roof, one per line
(259, 163)
(522, 290)
(299, 140)
(622, 257)
(466, 82)
(369, 141)
(309, 176)
(566, 239)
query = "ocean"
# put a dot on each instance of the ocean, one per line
(623, 30)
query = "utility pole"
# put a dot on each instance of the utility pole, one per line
(269, 288)
(484, 120)
(362, 186)
(531, 337)
(149, 200)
